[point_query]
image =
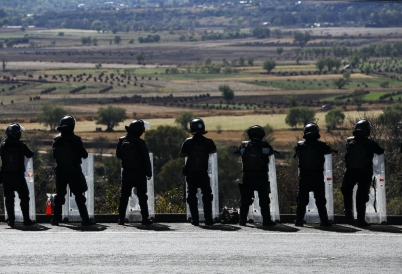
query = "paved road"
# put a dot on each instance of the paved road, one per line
(181, 248)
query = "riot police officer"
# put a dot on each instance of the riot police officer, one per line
(311, 178)
(12, 152)
(68, 150)
(134, 156)
(197, 149)
(359, 170)
(255, 158)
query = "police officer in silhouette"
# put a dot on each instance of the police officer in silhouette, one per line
(359, 155)
(255, 158)
(311, 177)
(197, 149)
(12, 152)
(137, 169)
(68, 150)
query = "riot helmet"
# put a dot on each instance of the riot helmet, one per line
(14, 131)
(137, 127)
(256, 132)
(197, 126)
(67, 123)
(311, 131)
(362, 128)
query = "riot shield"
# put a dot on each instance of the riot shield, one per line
(213, 176)
(133, 213)
(376, 207)
(70, 208)
(312, 211)
(255, 210)
(29, 178)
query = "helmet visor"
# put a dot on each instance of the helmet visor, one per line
(146, 125)
(22, 128)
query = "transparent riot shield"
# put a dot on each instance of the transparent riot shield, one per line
(70, 208)
(133, 213)
(29, 178)
(255, 210)
(312, 211)
(376, 207)
(213, 176)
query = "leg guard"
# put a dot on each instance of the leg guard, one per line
(143, 202)
(82, 208)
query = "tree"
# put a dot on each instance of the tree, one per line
(301, 38)
(250, 61)
(354, 60)
(292, 100)
(227, 92)
(165, 143)
(269, 65)
(269, 131)
(208, 61)
(346, 75)
(97, 25)
(184, 119)
(242, 61)
(4, 64)
(320, 64)
(279, 50)
(261, 32)
(170, 175)
(333, 118)
(111, 117)
(140, 57)
(86, 40)
(61, 33)
(117, 39)
(340, 82)
(50, 116)
(101, 144)
(367, 69)
(300, 115)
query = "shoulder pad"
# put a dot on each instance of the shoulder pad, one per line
(349, 139)
(57, 137)
(77, 137)
(299, 143)
(122, 138)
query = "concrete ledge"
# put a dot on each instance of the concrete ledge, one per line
(182, 218)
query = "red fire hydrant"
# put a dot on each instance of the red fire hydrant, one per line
(48, 207)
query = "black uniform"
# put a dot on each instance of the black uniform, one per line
(134, 155)
(68, 150)
(198, 149)
(359, 170)
(255, 158)
(311, 178)
(12, 152)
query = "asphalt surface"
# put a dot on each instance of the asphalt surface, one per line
(182, 248)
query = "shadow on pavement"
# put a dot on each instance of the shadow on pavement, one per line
(383, 228)
(220, 227)
(278, 227)
(34, 228)
(336, 228)
(79, 227)
(153, 227)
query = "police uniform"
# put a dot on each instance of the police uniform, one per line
(255, 178)
(197, 149)
(68, 150)
(134, 155)
(12, 152)
(359, 170)
(311, 177)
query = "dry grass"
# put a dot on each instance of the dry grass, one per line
(239, 123)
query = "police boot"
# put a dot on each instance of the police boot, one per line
(25, 214)
(85, 216)
(122, 211)
(208, 213)
(11, 215)
(146, 221)
(57, 211)
(194, 216)
(349, 217)
(300, 212)
(268, 222)
(362, 223)
(326, 223)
